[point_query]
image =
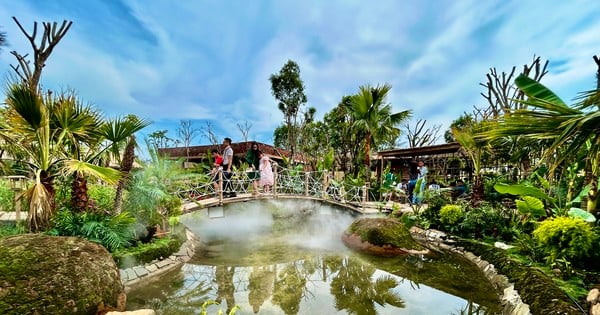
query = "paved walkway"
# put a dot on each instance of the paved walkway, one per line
(11, 216)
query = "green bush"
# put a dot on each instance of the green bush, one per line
(112, 232)
(103, 197)
(484, 220)
(451, 214)
(565, 238)
(7, 196)
(434, 204)
(145, 253)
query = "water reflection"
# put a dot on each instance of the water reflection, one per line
(355, 290)
(298, 265)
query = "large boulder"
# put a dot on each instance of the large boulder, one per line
(42, 274)
(381, 236)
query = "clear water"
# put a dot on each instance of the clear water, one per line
(286, 257)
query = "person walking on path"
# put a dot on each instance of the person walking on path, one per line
(253, 161)
(266, 173)
(227, 168)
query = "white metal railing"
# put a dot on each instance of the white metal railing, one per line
(287, 182)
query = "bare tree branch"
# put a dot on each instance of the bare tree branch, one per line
(501, 93)
(419, 135)
(244, 129)
(208, 133)
(50, 38)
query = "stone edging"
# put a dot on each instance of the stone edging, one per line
(510, 299)
(135, 274)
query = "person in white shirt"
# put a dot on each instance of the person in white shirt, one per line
(227, 164)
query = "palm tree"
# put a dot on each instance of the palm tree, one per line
(569, 129)
(56, 136)
(374, 118)
(475, 148)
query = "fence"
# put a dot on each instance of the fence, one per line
(316, 184)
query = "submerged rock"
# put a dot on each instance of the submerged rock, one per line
(42, 274)
(381, 236)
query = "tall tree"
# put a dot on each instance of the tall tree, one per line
(374, 117)
(341, 136)
(187, 133)
(49, 39)
(160, 139)
(288, 89)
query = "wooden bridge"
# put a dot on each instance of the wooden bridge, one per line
(288, 184)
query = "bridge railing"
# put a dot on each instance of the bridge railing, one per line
(315, 184)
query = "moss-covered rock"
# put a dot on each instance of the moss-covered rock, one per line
(381, 236)
(42, 274)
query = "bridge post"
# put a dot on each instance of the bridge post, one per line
(275, 182)
(306, 174)
(220, 193)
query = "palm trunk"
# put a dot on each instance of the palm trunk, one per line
(592, 197)
(477, 191)
(42, 207)
(126, 166)
(79, 193)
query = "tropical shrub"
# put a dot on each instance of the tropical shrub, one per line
(484, 220)
(158, 248)
(103, 197)
(111, 231)
(565, 238)
(451, 214)
(431, 215)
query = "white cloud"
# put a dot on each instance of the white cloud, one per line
(211, 60)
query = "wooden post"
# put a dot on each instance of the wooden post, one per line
(275, 182)
(220, 194)
(17, 207)
(306, 184)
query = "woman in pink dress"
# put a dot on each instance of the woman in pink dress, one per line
(266, 173)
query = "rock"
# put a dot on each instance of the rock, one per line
(595, 310)
(502, 245)
(593, 296)
(381, 236)
(42, 274)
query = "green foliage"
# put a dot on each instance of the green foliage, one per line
(203, 311)
(528, 205)
(7, 196)
(431, 214)
(152, 194)
(158, 248)
(565, 238)
(581, 214)
(112, 232)
(451, 214)
(103, 197)
(521, 190)
(527, 245)
(10, 229)
(484, 220)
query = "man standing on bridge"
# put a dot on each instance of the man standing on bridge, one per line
(227, 164)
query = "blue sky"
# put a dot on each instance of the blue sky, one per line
(210, 61)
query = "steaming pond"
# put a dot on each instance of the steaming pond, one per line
(287, 257)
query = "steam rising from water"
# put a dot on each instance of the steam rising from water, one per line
(307, 224)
